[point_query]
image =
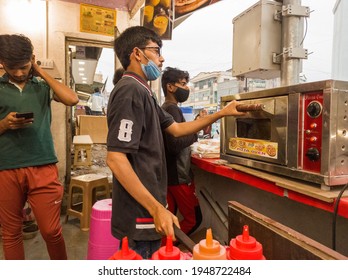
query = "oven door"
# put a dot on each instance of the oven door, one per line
(262, 134)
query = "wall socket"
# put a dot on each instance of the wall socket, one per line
(46, 63)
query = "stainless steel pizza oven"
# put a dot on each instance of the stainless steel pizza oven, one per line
(298, 131)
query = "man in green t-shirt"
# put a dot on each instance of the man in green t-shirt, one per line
(28, 170)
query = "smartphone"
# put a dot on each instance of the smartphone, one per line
(26, 115)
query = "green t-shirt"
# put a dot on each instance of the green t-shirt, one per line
(33, 145)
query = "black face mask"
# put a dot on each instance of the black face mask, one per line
(181, 94)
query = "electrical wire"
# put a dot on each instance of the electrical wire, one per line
(335, 216)
(305, 33)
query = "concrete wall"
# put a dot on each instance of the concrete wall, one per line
(47, 24)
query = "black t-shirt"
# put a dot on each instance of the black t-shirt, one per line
(178, 151)
(135, 124)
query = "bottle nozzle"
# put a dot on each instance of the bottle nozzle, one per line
(245, 233)
(209, 238)
(169, 244)
(125, 248)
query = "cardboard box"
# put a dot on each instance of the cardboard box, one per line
(94, 126)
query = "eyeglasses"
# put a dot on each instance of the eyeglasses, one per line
(155, 50)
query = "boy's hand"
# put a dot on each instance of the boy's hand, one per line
(11, 122)
(164, 221)
(35, 67)
(231, 110)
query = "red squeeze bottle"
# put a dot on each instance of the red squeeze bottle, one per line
(125, 253)
(245, 247)
(209, 249)
(168, 252)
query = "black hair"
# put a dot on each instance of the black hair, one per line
(172, 75)
(117, 75)
(132, 37)
(96, 89)
(15, 50)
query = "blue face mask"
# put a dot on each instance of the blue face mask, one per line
(151, 70)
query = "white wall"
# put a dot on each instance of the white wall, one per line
(340, 41)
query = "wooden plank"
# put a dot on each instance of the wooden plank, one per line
(279, 242)
(82, 139)
(308, 189)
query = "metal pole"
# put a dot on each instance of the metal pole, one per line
(292, 35)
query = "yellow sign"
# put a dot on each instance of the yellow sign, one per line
(97, 20)
(254, 147)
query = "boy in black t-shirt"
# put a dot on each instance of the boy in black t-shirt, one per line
(181, 194)
(135, 146)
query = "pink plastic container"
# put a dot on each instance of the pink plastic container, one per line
(101, 243)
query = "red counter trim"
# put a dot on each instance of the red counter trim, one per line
(210, 166)
(310, 201)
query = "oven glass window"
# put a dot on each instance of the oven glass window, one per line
(254, 128)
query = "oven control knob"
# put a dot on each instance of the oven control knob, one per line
(313, 139)
(313, 154)
(314, 109)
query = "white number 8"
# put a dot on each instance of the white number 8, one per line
(125, 131)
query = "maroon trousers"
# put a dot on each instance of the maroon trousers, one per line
(41, 188)
(183, 198)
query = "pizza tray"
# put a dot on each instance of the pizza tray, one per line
(180, 10)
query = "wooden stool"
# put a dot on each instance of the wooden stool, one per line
(82, 144)
(88, 184)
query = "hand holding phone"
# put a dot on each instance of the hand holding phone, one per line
(26, 115)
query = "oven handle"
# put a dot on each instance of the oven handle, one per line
(250, 107)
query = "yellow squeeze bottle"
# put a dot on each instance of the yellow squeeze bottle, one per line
(209, 249)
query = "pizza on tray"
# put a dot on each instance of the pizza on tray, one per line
(180, 3)
(186, 6)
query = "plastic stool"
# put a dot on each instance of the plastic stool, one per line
(88, 184)
(101, 243)
(82, 144)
